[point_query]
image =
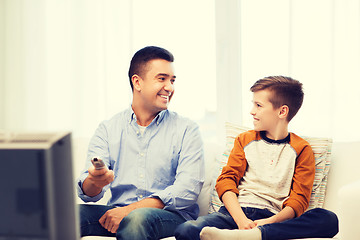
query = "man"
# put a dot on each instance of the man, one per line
(153, 157)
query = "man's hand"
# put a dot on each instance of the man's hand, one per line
(96, 180)
(100, 178)
(112, 218)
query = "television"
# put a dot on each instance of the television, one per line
(37, 193)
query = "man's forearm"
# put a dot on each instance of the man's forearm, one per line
(96, 180)
(148, 202)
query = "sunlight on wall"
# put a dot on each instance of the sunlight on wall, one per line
(315, 42)
(67, 61)
(187, 29)
(2, 64)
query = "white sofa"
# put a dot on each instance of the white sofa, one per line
(344, 170)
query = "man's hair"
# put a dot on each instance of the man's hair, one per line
(143, 56)
(284, 91)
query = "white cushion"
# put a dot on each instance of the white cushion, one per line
(349, 199)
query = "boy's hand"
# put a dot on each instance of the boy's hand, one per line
(285, 214)
(263, 221)
(246, 224)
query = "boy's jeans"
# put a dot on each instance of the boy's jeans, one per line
(315, 223)
(141, 224)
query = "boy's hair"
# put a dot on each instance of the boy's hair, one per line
(285, 91)
(143, 56)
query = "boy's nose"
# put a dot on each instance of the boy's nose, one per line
(252, 112)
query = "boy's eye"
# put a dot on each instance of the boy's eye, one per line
(172, 80)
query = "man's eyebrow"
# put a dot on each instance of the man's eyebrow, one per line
(165, 75)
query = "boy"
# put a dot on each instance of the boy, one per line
(266, 185)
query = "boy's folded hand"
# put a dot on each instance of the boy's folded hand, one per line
(263, 221)
(246, 224)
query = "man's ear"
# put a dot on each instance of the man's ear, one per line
(284, 111)
(136, 82)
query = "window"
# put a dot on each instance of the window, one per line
(67, 61)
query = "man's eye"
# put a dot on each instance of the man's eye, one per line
(162, 79)
(172, 81)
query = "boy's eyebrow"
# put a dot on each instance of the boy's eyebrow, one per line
(165, 75)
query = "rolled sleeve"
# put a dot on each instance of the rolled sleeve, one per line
(81, 193)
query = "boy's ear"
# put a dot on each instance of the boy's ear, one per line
(284, 111)
(136, 82)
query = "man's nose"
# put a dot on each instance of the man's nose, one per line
(169, 86)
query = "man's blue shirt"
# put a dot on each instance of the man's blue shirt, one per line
(165, 162)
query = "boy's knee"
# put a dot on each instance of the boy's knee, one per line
(186, 227)
(326, 219)
(331, 220)
(326, 215)
(188, 230)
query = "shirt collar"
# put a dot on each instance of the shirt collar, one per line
(285, 140)
(158, 119)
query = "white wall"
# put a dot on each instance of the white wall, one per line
(62, 71)
(228, 64)
(66, 61)
(2, 62)
(316, 42)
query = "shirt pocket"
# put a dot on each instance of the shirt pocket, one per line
(164, 167)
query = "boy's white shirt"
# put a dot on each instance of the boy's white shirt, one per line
(268, 178)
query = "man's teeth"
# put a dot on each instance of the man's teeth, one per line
(163, 96)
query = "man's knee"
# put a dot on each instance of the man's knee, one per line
(138, 224)
(137, 218)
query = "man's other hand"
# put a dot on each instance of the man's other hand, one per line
(112, 218)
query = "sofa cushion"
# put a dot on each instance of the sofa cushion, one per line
(322, 151)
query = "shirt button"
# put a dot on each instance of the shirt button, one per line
(141, 176)
(142, 154)
(140, 196)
